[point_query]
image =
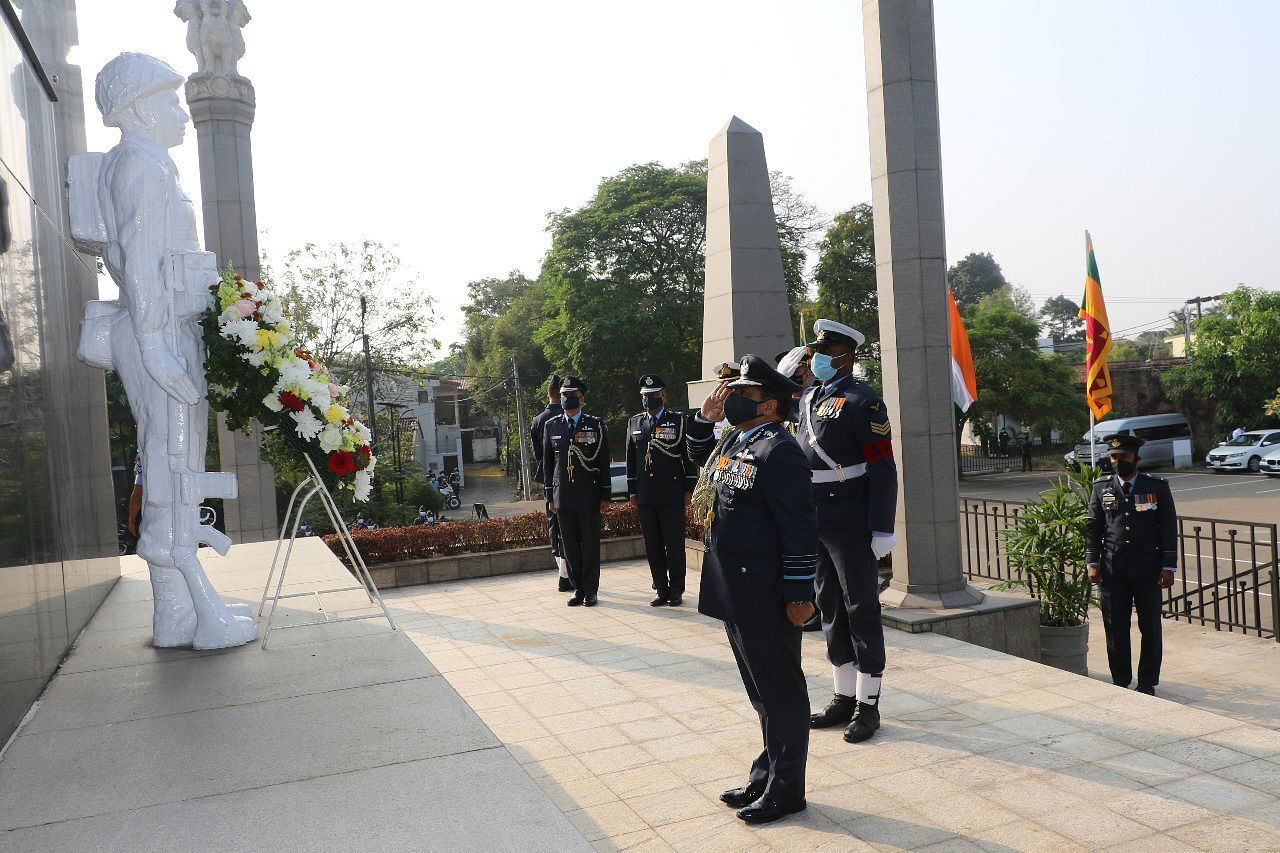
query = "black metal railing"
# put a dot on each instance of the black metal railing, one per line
(997, 458)
(1227, 570)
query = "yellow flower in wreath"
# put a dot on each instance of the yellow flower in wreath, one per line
(336, 414)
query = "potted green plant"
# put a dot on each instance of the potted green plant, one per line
(1046, 548)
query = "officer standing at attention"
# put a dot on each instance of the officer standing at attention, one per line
(575, 454)
(845, 435)
(757, 574)
(1132, 554)
(660, 481)
(536, 430)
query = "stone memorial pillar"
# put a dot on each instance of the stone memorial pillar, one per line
(222, 107)
(745, 300)
(911, 276)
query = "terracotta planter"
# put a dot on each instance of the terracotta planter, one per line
(1066, 648)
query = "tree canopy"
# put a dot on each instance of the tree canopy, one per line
(321, 286)
(1014, 377)
(973, 277)
(1062, 321)
(1234, 359)
(846, 273)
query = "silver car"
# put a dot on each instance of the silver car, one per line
(1245, 452)
(1270, 464)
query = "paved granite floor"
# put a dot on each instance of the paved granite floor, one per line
(339, 737)
(633, 719)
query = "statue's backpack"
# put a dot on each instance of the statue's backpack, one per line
(89, 234)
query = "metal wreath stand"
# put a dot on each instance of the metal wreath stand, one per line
(317, 487)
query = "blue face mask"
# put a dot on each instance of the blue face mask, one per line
(822, 367)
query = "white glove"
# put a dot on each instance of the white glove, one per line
(881, 545)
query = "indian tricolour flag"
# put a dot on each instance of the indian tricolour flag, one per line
(964, 383)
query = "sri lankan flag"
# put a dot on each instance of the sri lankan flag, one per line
(1097, 337)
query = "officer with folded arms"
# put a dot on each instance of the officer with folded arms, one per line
(1132, 553)
(660, 480)
(845, 435)
(575, 456)
(757, 574)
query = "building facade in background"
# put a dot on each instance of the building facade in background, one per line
(58, 541)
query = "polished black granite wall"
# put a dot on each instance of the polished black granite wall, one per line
(57, 513)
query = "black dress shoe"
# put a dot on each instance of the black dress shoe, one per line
(767, 810)
(837, 713)
(866, 719)
(675, 600)
(566, 585)
(575, 601)
(589, 601)
(659, 600)
(742, 797)
(1142, 688)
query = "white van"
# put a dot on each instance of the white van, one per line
(1158, 431)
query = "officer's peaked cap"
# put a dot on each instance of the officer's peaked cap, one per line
(727, 370)
(651, 383)
(1122, 443)
(758, 373)
(829, 332)
(573, 383)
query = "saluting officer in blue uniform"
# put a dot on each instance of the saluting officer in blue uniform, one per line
(845, 435)
(536, 431)
(660, 480)
(575, 450)
(1132, 554)
(757, 574)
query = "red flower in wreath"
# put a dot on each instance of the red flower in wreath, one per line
(291, 401)
(362, 457)
(342, 463)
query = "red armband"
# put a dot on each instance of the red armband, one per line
(874, 451)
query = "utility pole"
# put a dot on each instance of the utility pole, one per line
(1186, 316)
(520, 437)
(368, 390)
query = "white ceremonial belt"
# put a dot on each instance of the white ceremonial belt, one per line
(840, 474)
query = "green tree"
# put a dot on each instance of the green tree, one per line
(1014, 377)
(973, 277)
(501, 316)
(1234, 360)
(846, 273)
(798, 221)
(1062, 320)
(625, 279)
(321, 285)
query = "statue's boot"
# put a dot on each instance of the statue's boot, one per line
(173, 618)
(217, 625)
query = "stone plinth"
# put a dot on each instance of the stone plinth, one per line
(222, 108)
(745, 300)
(911, 276)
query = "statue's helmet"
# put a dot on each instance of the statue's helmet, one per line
(128, 78)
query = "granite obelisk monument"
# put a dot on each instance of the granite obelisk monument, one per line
(911, 278)
(222, 106)
(745, 300)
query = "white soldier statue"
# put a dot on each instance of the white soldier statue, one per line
(127, 205)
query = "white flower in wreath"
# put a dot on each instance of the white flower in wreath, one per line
(308, 425)
(363, 433)
(330, 439)
(230, 315)
(294, 372)
(364, 483)
(272, 313)
(257, 359)
(244, 331)
(272, 402)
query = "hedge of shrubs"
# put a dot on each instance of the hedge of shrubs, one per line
(394, 544)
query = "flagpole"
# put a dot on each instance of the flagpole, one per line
(1093, 454)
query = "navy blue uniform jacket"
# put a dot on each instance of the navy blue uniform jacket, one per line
(1136, 536)
(587, 450)
(536, 430)
(670, 473)
(851, 425)
(764, 537)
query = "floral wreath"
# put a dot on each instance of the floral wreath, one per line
(287, 390)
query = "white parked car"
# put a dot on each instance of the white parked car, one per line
(618, 479)
(1245, 452)
(1270, 464)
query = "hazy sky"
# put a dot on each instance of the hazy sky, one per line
(450, 129)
